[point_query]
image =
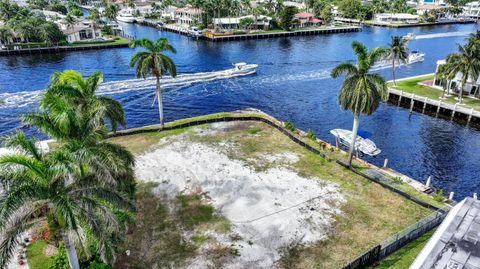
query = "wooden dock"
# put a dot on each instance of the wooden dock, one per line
(435, 107)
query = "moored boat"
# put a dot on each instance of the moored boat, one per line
(126, 15)
(362, 144)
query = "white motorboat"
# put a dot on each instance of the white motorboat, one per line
(362, 144)
(126, 15)
(195, 32)
(409, 36)
(414, 57)
(243, 69)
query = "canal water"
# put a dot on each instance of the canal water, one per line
(292, 83)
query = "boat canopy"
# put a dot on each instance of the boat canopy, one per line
(364, 134)
(240, 64)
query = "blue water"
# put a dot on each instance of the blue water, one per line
(292, 83)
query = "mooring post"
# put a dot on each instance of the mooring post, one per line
(450, 197)
(400, 98)
(429, 182)
(412, 102)
(336, 141)
(454, 110)
(385, 163)
(475, 195)
(438, 107)
(470, 116)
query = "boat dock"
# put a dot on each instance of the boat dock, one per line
(434, 107)
(39, 50)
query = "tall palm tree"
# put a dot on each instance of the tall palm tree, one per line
(445, 78)
(154, 62)
(466, 63)
(77, 201)
(72, 114)
(361, 91)
(70, 21)
(5, 35)
(397, 52)
(94, 16)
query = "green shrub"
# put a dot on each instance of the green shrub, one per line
(60, 261)
(311, 135)
(290, 126)
(439, 196)
(98, 265)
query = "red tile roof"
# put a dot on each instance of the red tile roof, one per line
(303, 15)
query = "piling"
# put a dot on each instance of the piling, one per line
(450, 197)
(412, 102)
(429, 182)
(385, 163)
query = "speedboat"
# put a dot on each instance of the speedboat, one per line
(409, 36)
(243, 69)
(195, 32)
(414, 57)
(126, 15)
(362, 143)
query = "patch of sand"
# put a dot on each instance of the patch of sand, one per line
(268, 210)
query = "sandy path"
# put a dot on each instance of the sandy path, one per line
(267, 209)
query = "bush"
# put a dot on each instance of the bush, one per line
(98, 265)
(290, 126)
(439, 196)
(311, 135)
(60, 261)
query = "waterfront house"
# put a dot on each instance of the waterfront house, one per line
(472, 10)
(81, 31)
(396, 18)
(422, 9)
(306, 19)
(168, 13)
(471, 87)
(188, 16)
(456, 242)
(260, 22)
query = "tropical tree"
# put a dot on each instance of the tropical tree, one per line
(94, 16)
(466, 63)
(397, 52)
(361, 91)
(78, 201)
(50, 33)
(445, 78)
(111, 12)
(70, 21)
(154, 62)
(5, 35)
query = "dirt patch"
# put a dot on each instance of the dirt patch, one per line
(268, 210)
(50, 250)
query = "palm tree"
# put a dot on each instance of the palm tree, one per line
(154, 62)
(445, 78)
(70, 21)
(466, 63)
(111, 12)
(361, 92)
(54, 185)
(94, 16)
(72, 114)
(5, 35)
(397, 51)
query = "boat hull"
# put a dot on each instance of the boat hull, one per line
(363, 146)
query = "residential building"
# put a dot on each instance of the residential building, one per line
(169, 12)
(396, 18)
(456, 242)
(260, 22)
(81, 31)
(306, 19)
(422, 9)
(188, 16)
(471, 87)
(472, 10)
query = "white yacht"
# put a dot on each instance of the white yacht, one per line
(362, 144)
(243, 69)
(126, 15)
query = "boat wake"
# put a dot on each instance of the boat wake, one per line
(26, 98)
(438, 35)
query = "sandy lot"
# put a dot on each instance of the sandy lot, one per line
(268, 209)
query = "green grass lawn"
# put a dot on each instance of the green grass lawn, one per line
(35, 257)
(403, 258)
(412, 86)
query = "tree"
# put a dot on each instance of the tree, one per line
(94, 16)
(465, 62)
(50, 33)
(154, 62)
(286, 17)
(111, 12)
(349, 8)
(397, 52)
(361, 91)
(55, 185)
(70, 21)
(5, 35)
(246, 22)
(327, 14)
(445, 78)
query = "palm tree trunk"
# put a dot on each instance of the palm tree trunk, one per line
(71, 252)
(160, 104)
(393, 72)
(356, 122)
(460, 96)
